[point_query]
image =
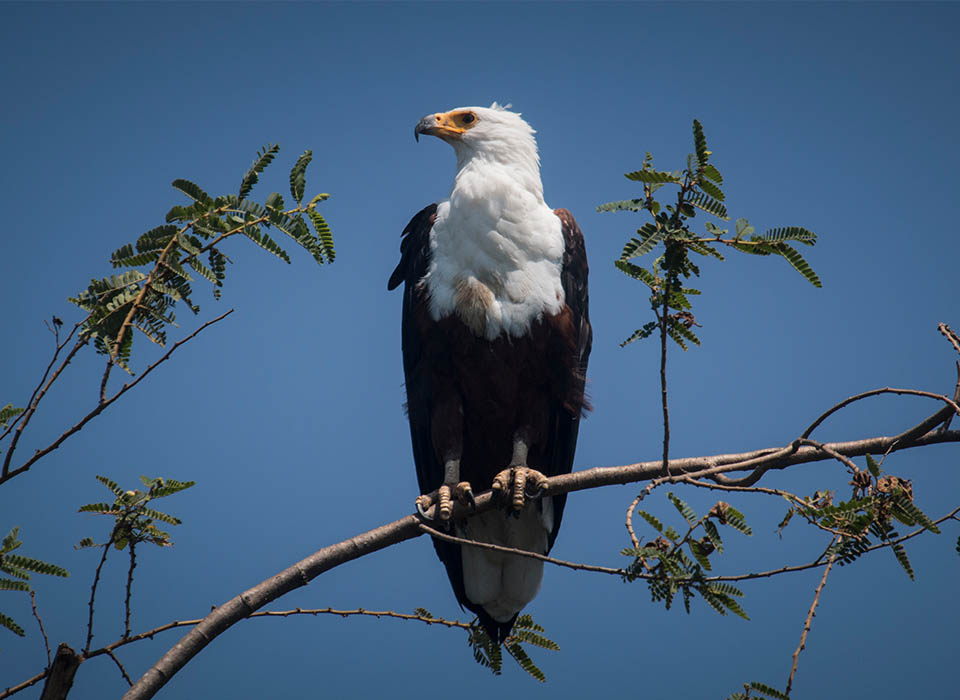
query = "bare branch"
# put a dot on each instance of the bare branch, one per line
(93, 594)
(877, 392)
(126, 602)
(521, 552)
(950, 335)
(360, 611)
(14, 689)
(809, 620)
(43, 633)
(38, 394)
(100, 406)
(123, 671)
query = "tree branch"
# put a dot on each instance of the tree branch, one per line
(7, 475)
(409, 527)
(809, 620)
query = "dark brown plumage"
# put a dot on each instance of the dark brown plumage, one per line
(465, 391)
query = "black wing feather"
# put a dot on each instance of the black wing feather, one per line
(414, 260)
(565, 424)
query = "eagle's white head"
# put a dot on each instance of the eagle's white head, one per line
(492, 134)
(496, 247)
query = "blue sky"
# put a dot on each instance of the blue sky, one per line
(836, 117)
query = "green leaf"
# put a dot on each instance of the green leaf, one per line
(790, 233)
(713, 535)
(525, 621)
(708, 204)
(711, 172)
(298, 179)
(743, 228)
(908, 507)
(157, 515)
(264, 158)
(700, 554)
(651, 520)
(520, 656)
(325, 236)
(192, 191)
(650, 235)
(767, 690)
(112, 485)
(686, 511)
(537, 640)
(274, 201)
(640, 333)
(34, 565)
(712, 190)
(265, 242)
(11, 625)
(679, 333)
(99, 508)
(873, 466)
(654, 177)
(623, 205)
(638, 273)
(7, 412)
(700, 143)
(799, 264)
(7, 584)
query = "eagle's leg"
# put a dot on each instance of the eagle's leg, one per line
(518, 481)
(447, 434)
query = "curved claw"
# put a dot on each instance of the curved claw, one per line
(463, 493)
(420, 509)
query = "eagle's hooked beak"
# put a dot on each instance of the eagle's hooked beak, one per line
(441, 124)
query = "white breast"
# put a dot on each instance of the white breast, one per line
(496, 254)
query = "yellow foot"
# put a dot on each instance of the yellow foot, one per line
(461, 492)
(518, 484)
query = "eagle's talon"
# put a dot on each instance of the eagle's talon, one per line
(520, 484)
(423, 504)
(463, 492)
(444, 503)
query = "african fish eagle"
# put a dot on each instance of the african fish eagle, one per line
(496, 336)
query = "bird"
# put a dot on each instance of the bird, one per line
(495, 339)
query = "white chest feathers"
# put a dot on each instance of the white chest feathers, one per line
(496, 255)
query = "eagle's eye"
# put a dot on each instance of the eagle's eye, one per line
(467, 118)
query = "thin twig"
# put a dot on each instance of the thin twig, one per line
(877, 392)
(632, 507)
(46, 642)
(33, 680)
(106, 378)
(361, 611)
(5, 473)
(950, 335)
(101, 406)
(120, 666)
(93, 595)
(846, 461)
(126, 602)
(664, 319)
(809, 620)
(59, 348)
(521, 552)
(817, 562)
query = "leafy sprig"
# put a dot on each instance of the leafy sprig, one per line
(699, 189)
(488, 653)
(675, 564)
(189, 244)
(20, 568)
(133, 518)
